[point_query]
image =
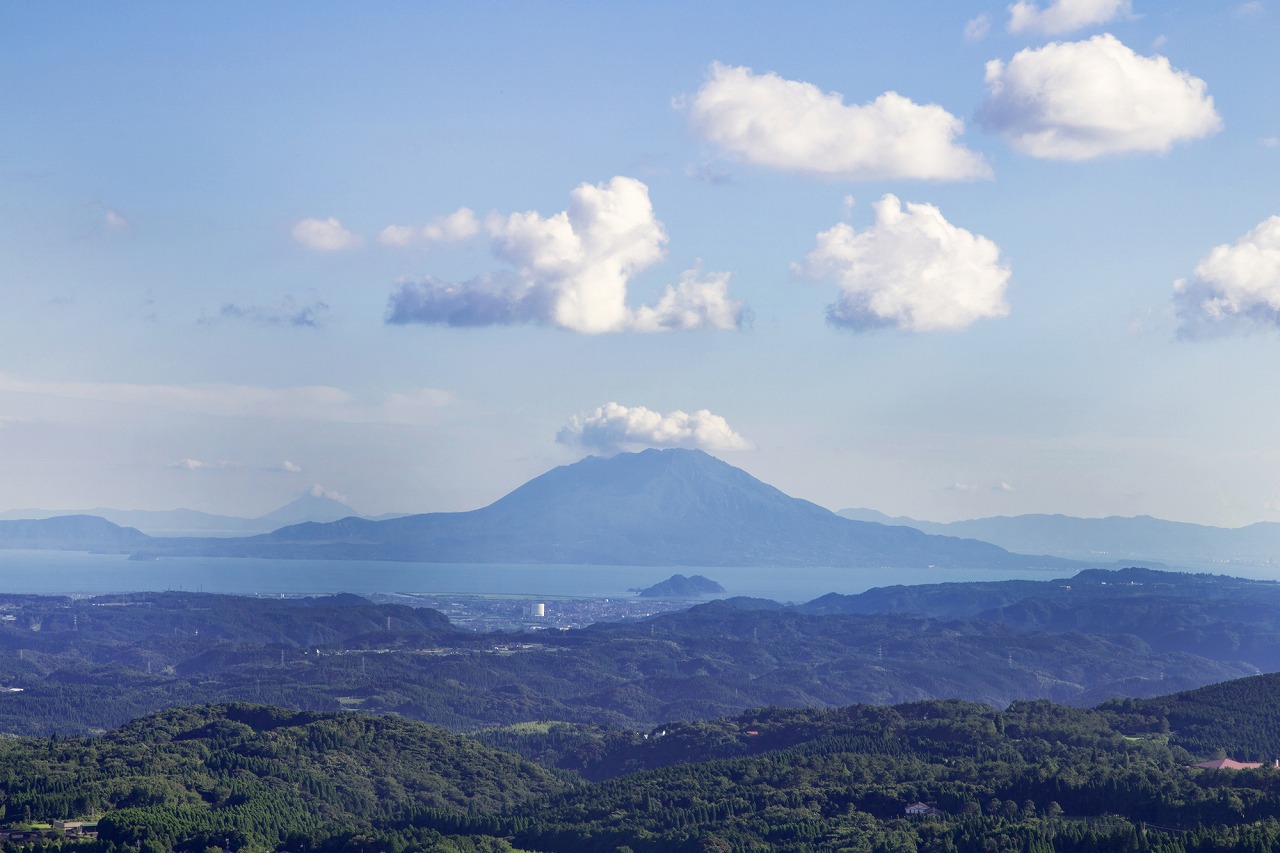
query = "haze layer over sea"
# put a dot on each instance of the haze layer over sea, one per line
(76, 573)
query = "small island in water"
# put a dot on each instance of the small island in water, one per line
(679, 586)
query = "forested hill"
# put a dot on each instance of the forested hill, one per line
(258, 777)
(1033, 777)
(1199, 614)
(1241, 717)
(1236, 718)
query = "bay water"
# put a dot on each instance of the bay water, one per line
(78, 573)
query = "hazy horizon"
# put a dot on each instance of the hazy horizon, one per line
(318, 491)
(945, 261)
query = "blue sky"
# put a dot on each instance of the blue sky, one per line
(918, 256)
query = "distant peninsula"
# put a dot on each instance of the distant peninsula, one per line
(679, 586)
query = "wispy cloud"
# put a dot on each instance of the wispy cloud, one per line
(460, 225)
(1065, 16)
(198, 465)
(287, 313)
(708, 173)
(308, 402)
(976, 29)
(325, 235)
(319, 491)
(115, 220)
(973, 488)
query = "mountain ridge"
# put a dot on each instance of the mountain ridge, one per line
(309, 506)
(657, 507)
(1134, 538)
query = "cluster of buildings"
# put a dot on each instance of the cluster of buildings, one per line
(486, 613)
(58, 829)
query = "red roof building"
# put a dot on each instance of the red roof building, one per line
(1227, 764)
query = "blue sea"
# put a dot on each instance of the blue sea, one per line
(76, 573)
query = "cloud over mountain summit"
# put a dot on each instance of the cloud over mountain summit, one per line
(613, 427)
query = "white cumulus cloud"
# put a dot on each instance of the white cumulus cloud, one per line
(460, 225)
(698, 301)
(290, 467)
(325, 235)
(768, 120)
(572, 270)
(1080, 100)
(1236, 285)
(1065, 16)
(583, 257)
(613, 427)
(912, 269)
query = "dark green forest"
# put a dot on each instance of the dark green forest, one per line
(1035, 776)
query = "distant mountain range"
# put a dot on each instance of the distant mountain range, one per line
(1138, 539)
(654, 508)
(311, 506)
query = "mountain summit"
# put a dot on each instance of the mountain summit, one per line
(653, 508)
(313, 505)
